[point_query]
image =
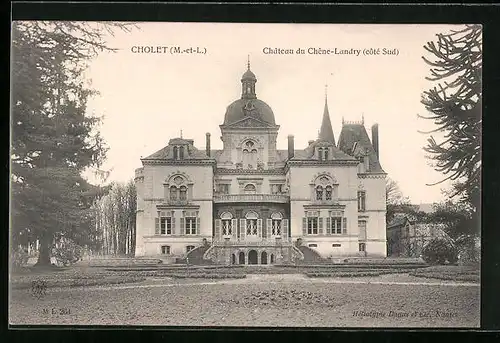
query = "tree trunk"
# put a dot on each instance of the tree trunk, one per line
(44, 253)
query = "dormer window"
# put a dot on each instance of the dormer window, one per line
(323, 153)
(176, 152)
(181, 152)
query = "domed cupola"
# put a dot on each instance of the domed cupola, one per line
(248, 105)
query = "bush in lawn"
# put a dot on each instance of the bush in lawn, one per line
(19, 258)
(67, 253)
(438, 251)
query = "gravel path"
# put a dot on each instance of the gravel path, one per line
(271, 301)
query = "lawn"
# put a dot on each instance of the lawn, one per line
(457, 273)
(246, 302)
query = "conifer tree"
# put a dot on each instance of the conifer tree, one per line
(53, 137)
(455, 106)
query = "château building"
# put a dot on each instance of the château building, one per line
(252, 203)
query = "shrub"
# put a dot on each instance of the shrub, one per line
(67, 253)
(438, 251)
(19, 258)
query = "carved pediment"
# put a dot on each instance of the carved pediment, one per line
(250, 122)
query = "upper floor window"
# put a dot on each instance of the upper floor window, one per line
(325, 188)
(249, 155)
(177, 189)
(361, 201)
(176, 152)
(183, 193)
(319, 193)
(328, 194)
(250, 189)
(223, 188)
(277, 188)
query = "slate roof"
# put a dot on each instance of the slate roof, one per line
(166, 153)
(352, 134)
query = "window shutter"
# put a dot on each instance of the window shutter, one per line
(328, 226)
(320, 225)
(344, 225)
(157, 226)
(284, 229)
(243, 228)
(234, 224)
(304, 226)
(218, 224)
(259, 227)
(182, 226)
(269, 224)
(173, 225)
(198, 225)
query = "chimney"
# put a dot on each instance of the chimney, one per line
(375, 139)
(291, 147)
(207, 144)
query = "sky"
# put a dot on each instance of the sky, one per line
(148, 98)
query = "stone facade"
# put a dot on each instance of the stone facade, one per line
(252, 202)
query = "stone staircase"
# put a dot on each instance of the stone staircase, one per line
(311, 255)
(195, 256)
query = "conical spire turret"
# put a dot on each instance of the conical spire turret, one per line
(326, 131)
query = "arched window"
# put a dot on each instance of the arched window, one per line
(324, 188)
(227, 228)
(328, 194)
(173, 193)
(181, 152)
(183, 193)
(176, 152)
(249, 155)
(251, 223)
(319, 193)
(276, 219)
(250, 189)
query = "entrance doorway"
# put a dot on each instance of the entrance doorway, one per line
(242, 258)
(263, 258)
(252, 257)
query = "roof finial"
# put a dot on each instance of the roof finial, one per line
(343, 120)
(363, 118)
(248, 61)
(326, 92)
(181, 133)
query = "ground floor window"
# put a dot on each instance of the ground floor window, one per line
(362, 247)
(190, 226)
(166, 225)
(189, 248)
(165, 249)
